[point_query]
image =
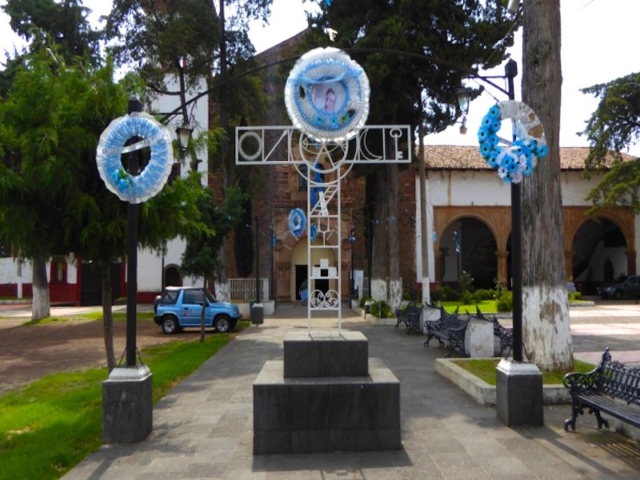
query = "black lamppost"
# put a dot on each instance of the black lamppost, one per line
(352, 283)
(510, 72)
(133, 209)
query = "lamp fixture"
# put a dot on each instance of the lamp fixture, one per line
(183, 132)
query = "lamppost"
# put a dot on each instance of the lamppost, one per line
(510, 72)
(352, 283)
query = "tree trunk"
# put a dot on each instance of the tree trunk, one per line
(40, 306)
(107, 316)
(202, 310)
(380, 238)
(395, 284)
(546, 333)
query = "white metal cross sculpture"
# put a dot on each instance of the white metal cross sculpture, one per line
(327, 99)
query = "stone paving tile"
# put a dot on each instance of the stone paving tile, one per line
(203, 428)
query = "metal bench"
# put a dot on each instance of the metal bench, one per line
(449, 329)
(611, 388)
(410, 316)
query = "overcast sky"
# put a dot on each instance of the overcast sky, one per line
(598, 45)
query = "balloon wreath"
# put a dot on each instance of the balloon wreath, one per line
(529, 145)
(327, 95)
(134, 188)
(297, 222)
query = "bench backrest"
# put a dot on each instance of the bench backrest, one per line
(619, 381)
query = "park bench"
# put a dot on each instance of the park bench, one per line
(449, 329)
(504, 334)
(410, 316)
(612, 388)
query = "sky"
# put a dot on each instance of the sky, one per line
(598, 45)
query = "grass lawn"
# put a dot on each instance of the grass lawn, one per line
(485, 369)
(49, 426)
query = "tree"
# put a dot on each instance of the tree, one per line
(415, 58)
(195, 40)
(546, 332)
(200, 256)
(612, 127)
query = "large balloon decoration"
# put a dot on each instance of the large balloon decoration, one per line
(327, 95)
(516, 159)
(135, 188)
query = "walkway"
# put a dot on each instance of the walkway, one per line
(203, 428)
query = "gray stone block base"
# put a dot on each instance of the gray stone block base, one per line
(325, 354)
(325, 414)
(127, 405)
(519, 398)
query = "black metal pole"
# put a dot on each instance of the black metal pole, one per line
(132, 253)
(511, 71)
(257, 261)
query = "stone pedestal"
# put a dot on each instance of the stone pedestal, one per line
(127, 405)
(325, 396)
(519, 398)
(479, 341)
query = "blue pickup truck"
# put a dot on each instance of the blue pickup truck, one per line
(181, 307)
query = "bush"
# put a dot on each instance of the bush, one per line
(364, 300)
(467, 298)
(483, 294)
(466, 282)
(504, 301)
(575, 296)
(444, 294)
(381, 309)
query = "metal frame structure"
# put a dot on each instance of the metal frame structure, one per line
(265, 145)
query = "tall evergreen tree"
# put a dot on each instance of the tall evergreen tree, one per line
(546, 332)
(416, 54)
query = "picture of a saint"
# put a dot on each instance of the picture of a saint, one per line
(330, 101)
(329, 97)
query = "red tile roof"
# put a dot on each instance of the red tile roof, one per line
(455, 157)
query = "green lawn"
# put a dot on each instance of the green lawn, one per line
(485, 369)
(49, 426)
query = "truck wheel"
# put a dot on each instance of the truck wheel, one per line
(222, 324)
(170, 325)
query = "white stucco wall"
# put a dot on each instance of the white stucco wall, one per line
(485, 188)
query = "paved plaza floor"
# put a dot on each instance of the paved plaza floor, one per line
(203, 427)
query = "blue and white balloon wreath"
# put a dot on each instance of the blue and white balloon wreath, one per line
(135, 188)
(297, 222)
(518, 158)
(327, 95)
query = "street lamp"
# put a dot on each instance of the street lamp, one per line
(510, 72)
(352, 284)
(464, 98)
(183, 132)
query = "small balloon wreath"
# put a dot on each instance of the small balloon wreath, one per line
(297, 222)
(517, 159)
(327, 95)
(134, 188)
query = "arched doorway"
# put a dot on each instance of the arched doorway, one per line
(300, 267)
(172, 277)
(599, 254)
(468, 245)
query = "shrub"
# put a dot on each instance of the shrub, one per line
(467, 298)
(381, 309)
(466, 282)
(483, 294)
(444, 294)
(575, 296)
(504, 301)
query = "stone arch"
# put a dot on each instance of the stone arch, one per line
(477, 252)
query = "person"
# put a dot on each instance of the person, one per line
(330, 101)
(304, 293)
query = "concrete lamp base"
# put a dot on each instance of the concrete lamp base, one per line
(127, 405)
(519, 399)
